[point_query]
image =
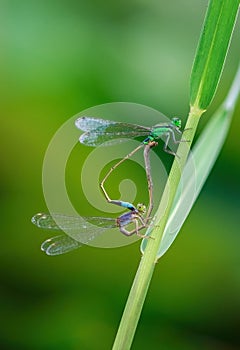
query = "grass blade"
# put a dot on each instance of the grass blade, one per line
(205, 76)
(212, 50)
(203, 157)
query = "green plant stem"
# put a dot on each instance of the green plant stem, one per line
(147, 264)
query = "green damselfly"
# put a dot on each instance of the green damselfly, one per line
(98, 131)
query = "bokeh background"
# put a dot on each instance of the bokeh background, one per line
(58, 58)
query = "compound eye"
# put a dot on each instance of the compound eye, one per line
(176, 121)
(141, 208)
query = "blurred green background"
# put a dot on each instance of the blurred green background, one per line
(58, 58)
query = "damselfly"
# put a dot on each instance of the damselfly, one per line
(85, 229)
(97, 131)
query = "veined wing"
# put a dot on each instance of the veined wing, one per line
(98, 131)
(60, 245)
(82, 230)
(91, 123)
(64, 222)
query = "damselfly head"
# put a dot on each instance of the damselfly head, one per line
(141, 208)
(176, 122)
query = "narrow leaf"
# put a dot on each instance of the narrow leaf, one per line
(198, 166)
(212, 50)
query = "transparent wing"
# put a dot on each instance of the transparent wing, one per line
(64, 222)
(60, 245)
(91, 123)
(98, 131)
(81, 230)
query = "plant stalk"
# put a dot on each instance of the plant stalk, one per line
(148, 261)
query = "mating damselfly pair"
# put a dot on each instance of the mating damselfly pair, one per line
(105, 132)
